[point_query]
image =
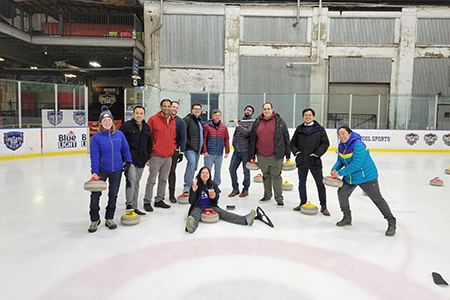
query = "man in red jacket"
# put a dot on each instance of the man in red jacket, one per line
(163, 128)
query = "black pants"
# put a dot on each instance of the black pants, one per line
(318, 177)
(113, 189)
(172, 174)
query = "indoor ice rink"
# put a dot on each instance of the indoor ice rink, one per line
(47, 252)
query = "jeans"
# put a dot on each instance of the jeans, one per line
(113, 189)
(215, 160)
(223, 215)
(318, 178)
(192, 163)
(236, 160)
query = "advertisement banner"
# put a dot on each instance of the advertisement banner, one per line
(64, 118)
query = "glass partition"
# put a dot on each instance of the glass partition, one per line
(35, 97)
(9, 104)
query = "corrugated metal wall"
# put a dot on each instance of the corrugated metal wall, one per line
(270, 75)
(364, 70)
(275, 29)
(193, 40)
(362, 31)
(431, 76)
(433, 31)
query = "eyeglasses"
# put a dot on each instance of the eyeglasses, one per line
(196, 108)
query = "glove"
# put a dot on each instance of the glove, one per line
(126, 167)
(180, 158)
(127, 182)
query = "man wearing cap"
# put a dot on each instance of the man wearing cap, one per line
(241, 152)
(163, 128)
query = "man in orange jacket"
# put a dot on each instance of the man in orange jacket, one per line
(163, 128)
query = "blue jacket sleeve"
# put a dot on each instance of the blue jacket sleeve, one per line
(182, 136)
(95, 154)
(358, 157)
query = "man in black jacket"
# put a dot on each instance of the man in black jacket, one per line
(139, 138)
(194, 145)
(309, 143)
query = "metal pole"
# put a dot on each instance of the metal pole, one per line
(379, 110)
(86, 104)
(323, 105)
(350, 112)
(407, 111)
(125, 105)
(435, 112)
(74, 98)
(19, 87)
(56, 105)
(209, 110)
(293, 113)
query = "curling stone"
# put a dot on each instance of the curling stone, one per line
(183, 199)
(209, 216)
(258, 178)
(252, 165)
(287, 186)
(130, 218)
(447, 171)
(436, 181)
(95, 185)
(333, 181)
(289, 166)
(309, 209)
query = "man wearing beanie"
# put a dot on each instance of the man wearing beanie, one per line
(163, 128)
(241, 152)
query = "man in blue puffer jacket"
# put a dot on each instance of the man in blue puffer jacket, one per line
(357, 167)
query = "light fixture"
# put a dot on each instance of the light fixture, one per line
(33, 68)
(2, 59)
(70, 75)
(95, 64)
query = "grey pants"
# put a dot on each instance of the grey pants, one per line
(271, 170)
(161, 166)
(223, 215)
(132, 193)
(372, 190)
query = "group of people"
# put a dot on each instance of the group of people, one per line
(166, 139)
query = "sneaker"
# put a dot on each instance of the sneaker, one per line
(110, 224)
(190, 224)
(161, 204)
(148, 207)
(244, 194)
(280, 203)
(264, 200)
(233, 193)
(250, 217)
(325, 211)
(172, 198)
(138, 212)
(93, 227)
(129, 208)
